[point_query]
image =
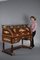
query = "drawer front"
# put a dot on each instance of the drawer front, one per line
(15, 40)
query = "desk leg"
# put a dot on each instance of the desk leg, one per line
(22, 41)
(30, 45)
(11, 48)
(3, 46)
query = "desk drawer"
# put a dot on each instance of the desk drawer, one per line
(15, 40)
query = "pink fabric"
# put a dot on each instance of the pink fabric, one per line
(34, 26)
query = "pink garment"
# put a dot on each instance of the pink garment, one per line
(34, 26)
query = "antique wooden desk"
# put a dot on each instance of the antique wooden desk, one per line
(13, 34)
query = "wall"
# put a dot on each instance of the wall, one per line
(14, 12)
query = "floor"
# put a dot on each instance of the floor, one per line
(22, 54)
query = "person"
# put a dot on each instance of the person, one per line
(33, 29)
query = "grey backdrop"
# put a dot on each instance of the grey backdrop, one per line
(14, 12)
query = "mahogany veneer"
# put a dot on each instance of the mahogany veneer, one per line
(13, 34)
